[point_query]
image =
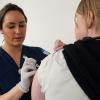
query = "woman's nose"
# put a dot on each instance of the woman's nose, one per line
(17, 30)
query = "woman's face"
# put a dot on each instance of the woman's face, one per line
(80, 26)
(14, 28)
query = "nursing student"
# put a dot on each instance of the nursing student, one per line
(15, 84)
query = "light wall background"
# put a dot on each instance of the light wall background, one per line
(48, 20)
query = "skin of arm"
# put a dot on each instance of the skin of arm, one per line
(14, 94)
(36, 90)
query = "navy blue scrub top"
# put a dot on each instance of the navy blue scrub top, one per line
(9, 75)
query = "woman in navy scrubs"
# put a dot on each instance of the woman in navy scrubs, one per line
(13, 23)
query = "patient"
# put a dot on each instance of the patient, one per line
(72, 73)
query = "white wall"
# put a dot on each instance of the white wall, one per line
(48, 20)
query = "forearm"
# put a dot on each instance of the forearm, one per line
(14, 94)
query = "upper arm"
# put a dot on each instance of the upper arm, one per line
(36, 90)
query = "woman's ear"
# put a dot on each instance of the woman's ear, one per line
(90, 19)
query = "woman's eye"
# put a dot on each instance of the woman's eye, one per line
(21, 25)
(10, 27)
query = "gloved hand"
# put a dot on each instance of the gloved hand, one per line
(28, 70)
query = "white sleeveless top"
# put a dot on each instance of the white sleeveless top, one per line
(56, 80)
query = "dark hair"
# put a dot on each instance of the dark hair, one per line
(10, 7)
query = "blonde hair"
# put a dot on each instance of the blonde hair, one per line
(84, 8)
